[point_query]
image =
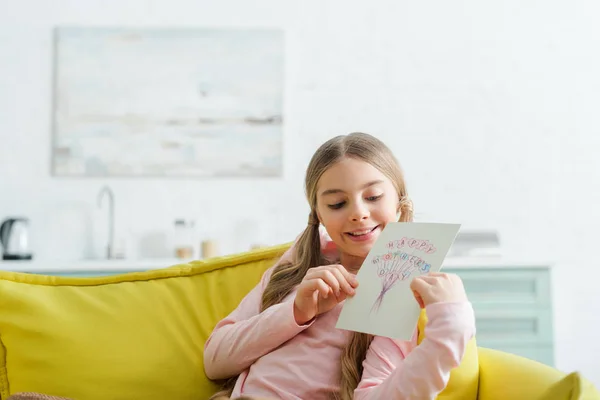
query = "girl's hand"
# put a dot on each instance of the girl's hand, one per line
(322, 289)
(437, 287)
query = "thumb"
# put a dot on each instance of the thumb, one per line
(419, 288)
(418, 285)
(419, 299)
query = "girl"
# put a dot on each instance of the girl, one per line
(281, 341)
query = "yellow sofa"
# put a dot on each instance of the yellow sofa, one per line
(141, 336)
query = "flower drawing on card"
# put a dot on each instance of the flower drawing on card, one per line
(400, 263)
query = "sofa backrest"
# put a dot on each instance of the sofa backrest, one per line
(137, 335)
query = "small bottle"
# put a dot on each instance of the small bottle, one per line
(209, 248)
(183, 247)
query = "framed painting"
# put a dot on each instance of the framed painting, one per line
(168, 102)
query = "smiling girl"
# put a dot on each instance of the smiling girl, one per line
(281, 341)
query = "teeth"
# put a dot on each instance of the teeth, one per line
(361, 232)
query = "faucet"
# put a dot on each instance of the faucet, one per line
(111, 218)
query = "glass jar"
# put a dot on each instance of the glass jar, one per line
(184, 249)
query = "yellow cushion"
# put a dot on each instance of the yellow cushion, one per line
(464, 379)
(509, 376)
(132, 336)
(568, 388)
(571, 387)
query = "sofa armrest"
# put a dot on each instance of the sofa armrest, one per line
(508, 376)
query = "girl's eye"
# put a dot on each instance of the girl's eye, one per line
(374, 198)
(337, 205)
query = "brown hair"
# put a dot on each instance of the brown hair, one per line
(286, 277)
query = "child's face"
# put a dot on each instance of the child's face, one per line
(354, 202)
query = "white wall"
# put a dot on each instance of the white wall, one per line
(491, 107)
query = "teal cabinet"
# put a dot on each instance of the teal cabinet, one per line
(513, 308)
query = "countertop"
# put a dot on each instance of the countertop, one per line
(85, 265)
(122, 265)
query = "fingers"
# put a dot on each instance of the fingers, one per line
(437, 274)
(317, 285)
(341, 281)
(351, 278)
(443, 275)
(336, 277)
(438, 287)
(441, 278)
(420, 288)
(419, 285)
(329, 278)
(430, 280)
(348, 280)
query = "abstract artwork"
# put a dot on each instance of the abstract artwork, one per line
(168, 102)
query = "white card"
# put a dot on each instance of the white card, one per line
(384, 304)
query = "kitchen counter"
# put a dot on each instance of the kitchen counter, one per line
(89, 265)
(133, 265)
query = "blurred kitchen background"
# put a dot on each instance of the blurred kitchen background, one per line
(491, 108)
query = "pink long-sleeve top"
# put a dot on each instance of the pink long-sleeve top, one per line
(277, 358)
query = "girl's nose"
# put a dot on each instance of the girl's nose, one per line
(359, 213)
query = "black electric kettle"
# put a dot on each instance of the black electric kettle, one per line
(15, 238)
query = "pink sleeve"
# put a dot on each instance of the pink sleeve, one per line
(247, 334)
(402, 370)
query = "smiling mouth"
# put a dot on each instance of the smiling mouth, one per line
(362, 232)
